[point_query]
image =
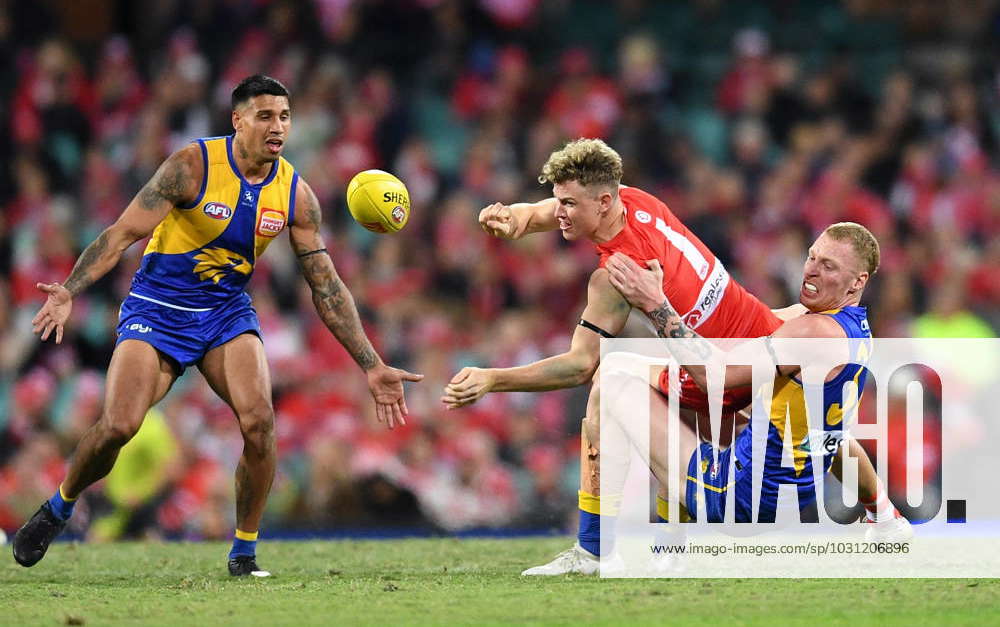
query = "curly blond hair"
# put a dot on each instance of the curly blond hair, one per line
(589, 162)
(862, 241)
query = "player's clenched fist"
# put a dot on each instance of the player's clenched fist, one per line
(499, 221)
(467, 387)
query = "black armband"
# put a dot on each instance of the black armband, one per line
(596, 329)
(312, 252)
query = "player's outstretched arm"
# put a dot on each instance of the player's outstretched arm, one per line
(606, 309)
(517, 220)
(176, 182)
(336, 308)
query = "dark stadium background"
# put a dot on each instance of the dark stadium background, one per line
(757, 122)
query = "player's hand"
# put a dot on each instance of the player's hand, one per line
(54, 313)
(386, 385)
(499, 221)
(642, 288)
(467, 387)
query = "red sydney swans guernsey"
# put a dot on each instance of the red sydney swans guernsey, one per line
(694, 281)
(697, 285)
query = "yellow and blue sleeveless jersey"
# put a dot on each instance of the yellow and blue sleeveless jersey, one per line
(202, 255)
(788, 411)
(788, 404)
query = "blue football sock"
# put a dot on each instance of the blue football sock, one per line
(60, 506)
(589, 534)
(244, 544)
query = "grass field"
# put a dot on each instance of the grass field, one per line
(439, 581)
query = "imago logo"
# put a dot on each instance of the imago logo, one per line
(271, 223)
(218, 211)
(398, 214)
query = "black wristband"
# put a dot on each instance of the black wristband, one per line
(312, 252)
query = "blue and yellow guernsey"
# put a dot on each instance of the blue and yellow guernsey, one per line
(202, 255)
(788, 411)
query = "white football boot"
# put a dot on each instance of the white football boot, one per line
(896, 529)
(577, 560)
(666, 565)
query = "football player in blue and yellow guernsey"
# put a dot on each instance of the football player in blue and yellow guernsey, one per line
(211, 210)
(835, 273)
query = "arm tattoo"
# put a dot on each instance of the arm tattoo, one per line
(669, 324)
(80, 279)
(332, 299)
(170, 183)
(335, 306)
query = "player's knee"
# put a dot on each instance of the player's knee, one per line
(116, 432)
(257, 426)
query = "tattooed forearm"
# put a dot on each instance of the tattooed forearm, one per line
(336, 308)
(332, 299)
(81, 277)
(669, 324)
(171, 183)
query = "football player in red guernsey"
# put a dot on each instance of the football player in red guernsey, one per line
(590, 203)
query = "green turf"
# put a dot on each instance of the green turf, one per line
(440, 581)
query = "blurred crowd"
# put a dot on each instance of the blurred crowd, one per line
(758, 123)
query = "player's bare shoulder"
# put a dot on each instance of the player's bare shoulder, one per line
(811, 325)
(177, 181)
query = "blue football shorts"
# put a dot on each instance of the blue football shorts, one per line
(184, 335)
(733, 471)
(711, 482)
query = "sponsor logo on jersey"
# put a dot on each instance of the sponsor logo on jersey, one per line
(141, 328)
(643, 217)
(714, 291)
(708, 299)
(398, 214)
(271, 223)
(218, 211)
(821, 440)
(693, 318)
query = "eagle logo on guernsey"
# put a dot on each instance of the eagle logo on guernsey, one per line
(215, 263)
(271, 222)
